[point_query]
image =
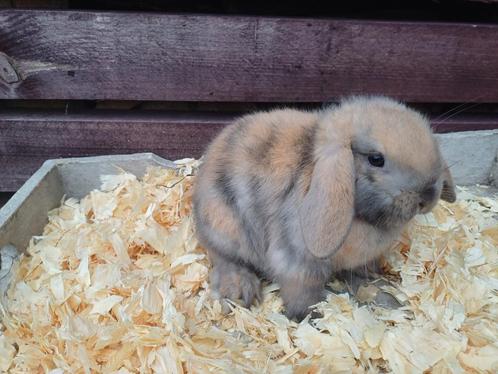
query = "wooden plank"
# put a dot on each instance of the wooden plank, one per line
(28, 139)
(465, 122)
(150, 56)
(15, 170)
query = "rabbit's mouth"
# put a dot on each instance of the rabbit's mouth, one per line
(384, 211)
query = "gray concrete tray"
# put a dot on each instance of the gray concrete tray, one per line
(25, 215)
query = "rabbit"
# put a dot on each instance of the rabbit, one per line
(294, 196)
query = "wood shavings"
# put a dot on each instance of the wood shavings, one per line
(118, 284)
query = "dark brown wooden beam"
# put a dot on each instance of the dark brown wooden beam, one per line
(28, 139)
(465, 122)
(149, 56)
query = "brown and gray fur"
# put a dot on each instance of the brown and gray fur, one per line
(291, 195)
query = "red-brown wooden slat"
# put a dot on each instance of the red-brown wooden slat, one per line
(465, 122)
(28, 139)
(150, 56)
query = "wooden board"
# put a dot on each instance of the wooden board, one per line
(465, 122)
(28, 139)
(150, 56)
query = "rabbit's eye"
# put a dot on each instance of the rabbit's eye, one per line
(376, 160)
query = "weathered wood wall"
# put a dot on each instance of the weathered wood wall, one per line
(90, 56)
(28, 139)
(138, 56)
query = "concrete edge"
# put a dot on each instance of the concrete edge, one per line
(16, 201)
(111, 158)
(470, 155)
(50, 168)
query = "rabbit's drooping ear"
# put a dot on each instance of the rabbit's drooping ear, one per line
(448, 192)
(327, 211)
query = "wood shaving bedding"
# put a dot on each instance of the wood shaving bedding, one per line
(118, 284)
